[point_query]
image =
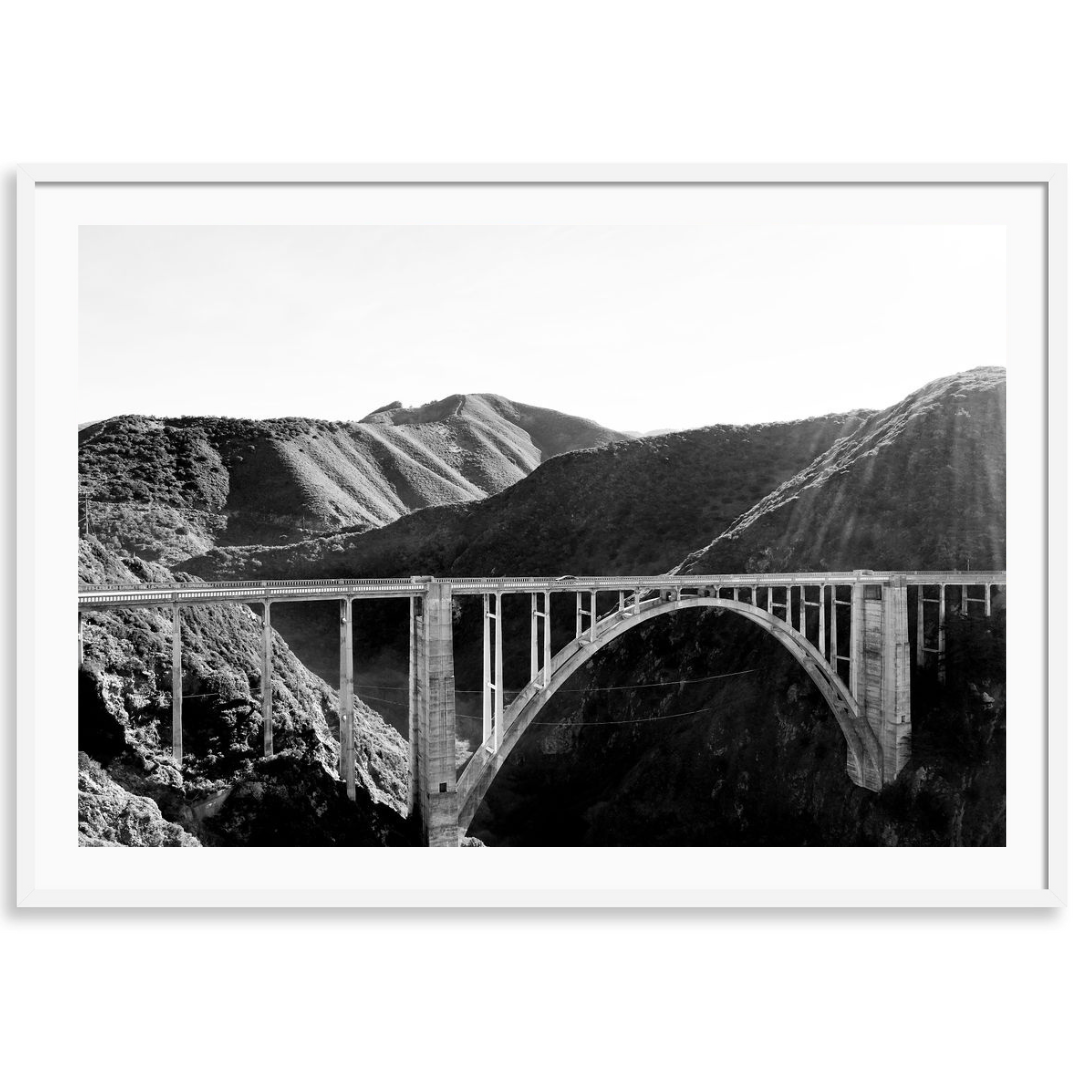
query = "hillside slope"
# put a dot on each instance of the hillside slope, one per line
(918, 486)
(125, 689)
(632, 507)
(165, 489)
(743, 750)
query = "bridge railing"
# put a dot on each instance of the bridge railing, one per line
(136, 593)
(273, 583)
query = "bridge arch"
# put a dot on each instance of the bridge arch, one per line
(864, 750)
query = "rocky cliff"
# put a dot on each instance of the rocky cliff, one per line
(125, 686)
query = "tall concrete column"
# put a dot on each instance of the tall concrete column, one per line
(941, 633)
(346, 735)
(533, 667)
(498, 671)
(592, 616)
(416, 604)
(547, 638)
(177, 690)
(267, 682)
(832, 628)
(80, 639)
(855, 642)
(920, 628)
(486, 680)
(881, 654)
(437, 718)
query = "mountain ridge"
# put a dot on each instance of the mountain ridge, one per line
(636, 506)
(949, 434)
(168, 488)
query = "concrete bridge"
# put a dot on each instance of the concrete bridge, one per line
(849, 631)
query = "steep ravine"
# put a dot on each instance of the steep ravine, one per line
(762, 765)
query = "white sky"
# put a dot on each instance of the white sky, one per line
(635, 326)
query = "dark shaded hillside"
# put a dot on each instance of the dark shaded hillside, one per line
(125, 693)
(920, 486)
(761, 760)
(166, 489)
(634, 507)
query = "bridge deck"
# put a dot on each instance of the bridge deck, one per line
(252, 592)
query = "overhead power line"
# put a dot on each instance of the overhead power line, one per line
(608, 723)
(586, 690)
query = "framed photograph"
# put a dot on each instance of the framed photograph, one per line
(663, 531)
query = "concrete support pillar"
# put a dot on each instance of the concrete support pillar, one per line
(832, 628)
(437, 719)
(768, 598)
(547, 638)
(592, 616)
(855, 640)
(533, 668)
(637, 601)
(881, 657)
(941, 633)
(964, 600)
(486, 681)
(895, 722)
(498, 672)
(177, 689)
(267, 682)
(802, 610)
(920, 628)
(416, 605)
(577, 616)
(788, 589)
(821, 620)
(80, 639)
(346, 736)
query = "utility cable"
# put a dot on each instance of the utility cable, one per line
(592, 689)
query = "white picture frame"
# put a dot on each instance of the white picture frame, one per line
(52, 871)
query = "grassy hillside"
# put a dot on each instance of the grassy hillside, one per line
(637, 506)
(164, 489)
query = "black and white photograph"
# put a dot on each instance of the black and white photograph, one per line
(511, 520)
(633, 442)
